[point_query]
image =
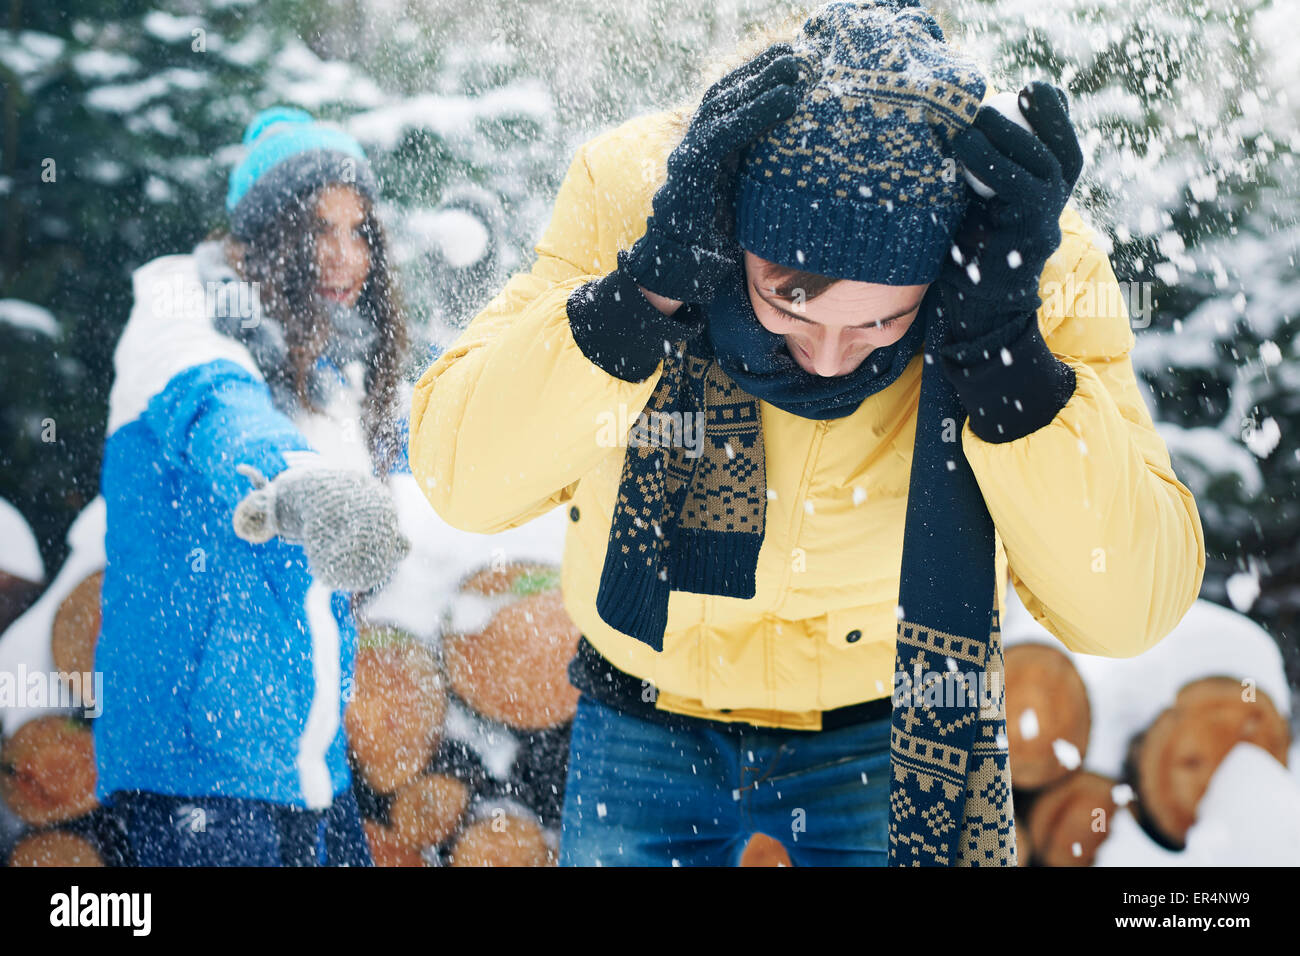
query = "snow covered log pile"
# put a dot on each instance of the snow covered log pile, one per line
(502, 658)
(1175, 759)
(1182, 756)
(48, 809)
(486, 787)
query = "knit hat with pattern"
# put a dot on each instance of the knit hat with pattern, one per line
(857, 183)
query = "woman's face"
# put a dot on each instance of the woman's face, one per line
(834, 332)
(342, 252)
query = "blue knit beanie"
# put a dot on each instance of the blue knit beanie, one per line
(289, 154)
(855, 185)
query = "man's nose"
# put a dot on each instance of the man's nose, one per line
(828, 353)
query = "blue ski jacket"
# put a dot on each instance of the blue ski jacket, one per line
(226, 668)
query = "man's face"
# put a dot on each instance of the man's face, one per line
(832, 333)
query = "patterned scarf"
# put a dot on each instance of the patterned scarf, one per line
(690, 517)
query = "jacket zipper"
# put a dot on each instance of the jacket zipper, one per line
(800, 509)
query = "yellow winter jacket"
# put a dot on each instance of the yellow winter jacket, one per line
(1104, 544)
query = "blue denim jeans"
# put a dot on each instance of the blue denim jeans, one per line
(165, 830)
(643, 794)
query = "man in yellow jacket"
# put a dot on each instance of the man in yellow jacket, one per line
(746, 686)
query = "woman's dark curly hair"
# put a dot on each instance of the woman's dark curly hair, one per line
(282, 260)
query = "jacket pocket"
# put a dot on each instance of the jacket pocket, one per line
(849, 628)
(858, 658)
(252, 687)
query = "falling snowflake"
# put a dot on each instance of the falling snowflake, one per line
(1243, 588)
(1262, 440)
(1067, 754)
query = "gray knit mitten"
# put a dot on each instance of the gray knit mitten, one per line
(346, 522)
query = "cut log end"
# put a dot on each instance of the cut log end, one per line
(426, 811)
(395, 718)
(1047, 714)
(47, 770)
(1178, 754)
(502, 840)
(76, 631)
(388, 849)
(1069, 820)
(515, 671)
(55, 848)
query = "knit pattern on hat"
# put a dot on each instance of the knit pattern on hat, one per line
(857, 184)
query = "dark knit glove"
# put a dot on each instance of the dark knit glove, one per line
(995, 355)
(344, 520)
(686, 249)
(689, 244)
(1005, 240)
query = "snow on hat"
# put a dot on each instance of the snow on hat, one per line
(289, 153)
(855, 184)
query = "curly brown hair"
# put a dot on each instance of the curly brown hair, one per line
(282, 260)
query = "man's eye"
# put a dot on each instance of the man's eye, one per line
(877, 325)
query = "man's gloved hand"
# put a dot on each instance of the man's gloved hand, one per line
(686, 249)
(991, 280)
(345, 521)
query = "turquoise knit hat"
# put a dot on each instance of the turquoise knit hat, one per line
(289, 153)
(857, 183)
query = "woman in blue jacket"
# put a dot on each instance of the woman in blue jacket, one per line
(233, 547)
